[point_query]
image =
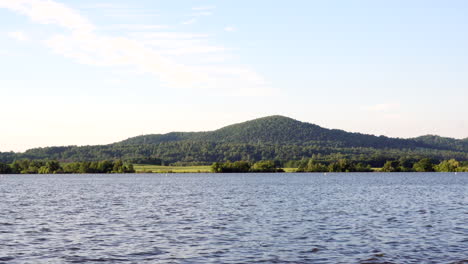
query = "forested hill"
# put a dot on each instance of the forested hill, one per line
(284, 130)
(269, 138)
(443, 142)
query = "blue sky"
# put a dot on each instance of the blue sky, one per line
(95, 72)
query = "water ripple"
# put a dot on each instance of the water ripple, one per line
(207, 218)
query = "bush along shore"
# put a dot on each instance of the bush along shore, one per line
(245, 166)
(344, 165)
(55, 167)
(305, 165)
(402, 165)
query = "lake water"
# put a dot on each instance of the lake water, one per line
(234, 218)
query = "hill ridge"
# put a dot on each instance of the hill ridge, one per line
(272, 137)
(280, 130)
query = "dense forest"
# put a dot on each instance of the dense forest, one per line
(277, 138)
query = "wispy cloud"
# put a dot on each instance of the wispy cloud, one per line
(200, 12)
(49, 12)
(167, 35)
(85, 45)
(130, 14)
(18, 35)
(104, 5)
(138, 27)
(177, 44)
(121, 11)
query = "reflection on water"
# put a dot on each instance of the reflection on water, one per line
(237, 218)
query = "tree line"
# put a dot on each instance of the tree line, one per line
(188, 152)
(246, 166)
(401, 165)
(305, 165)
(54, 167)
(342, 165)
(425, 165)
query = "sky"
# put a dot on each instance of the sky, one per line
(96, 72)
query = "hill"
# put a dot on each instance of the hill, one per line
(443, 142)
(284, 130)
(273, 137)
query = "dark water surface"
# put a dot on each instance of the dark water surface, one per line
(236, 218)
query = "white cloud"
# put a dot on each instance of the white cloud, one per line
(104, 6)
(167, 35)
(138, 27)
(201, 11)
(130, 14)
(49, 12)
(121, 11)
(194, 50)
(230, 29)
(18, 35)
(177, 44)
(84, 45)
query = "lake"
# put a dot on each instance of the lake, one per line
(235, 218)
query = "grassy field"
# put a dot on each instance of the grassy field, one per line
(179, 169)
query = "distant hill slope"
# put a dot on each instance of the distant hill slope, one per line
(443, 142)
(273, 137)
(284, 130)
(160, 138)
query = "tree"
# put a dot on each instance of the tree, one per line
(53, 166)
(85, 167)
(406, 164)
(265, 166)
(391, 166)
(44, 170)
(217, 167)
(424, 165)
(451, 165)
(334, 167)
(118, 167)
(105, 166)
(342, 165)
(363, 168)
(313, 166)
(129, 169)
(5, 169)
(238, 166)
(72, 167)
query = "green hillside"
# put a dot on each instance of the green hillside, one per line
(273, 138)
(284, 130)
(443, 142)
